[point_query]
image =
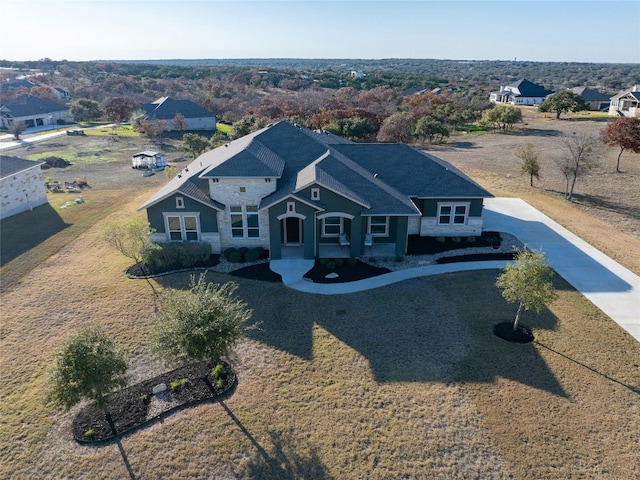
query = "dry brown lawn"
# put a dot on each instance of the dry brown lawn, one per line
(406, 381)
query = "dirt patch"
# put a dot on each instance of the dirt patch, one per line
(54, 162)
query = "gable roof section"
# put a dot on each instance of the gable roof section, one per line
(12, 165)
(414, 173)
(525, 88)
(589, 95)
(166, 108)
(26, 105)
(248, 158)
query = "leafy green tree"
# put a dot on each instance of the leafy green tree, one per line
(577, 158)
(431, 129)
(247, 125)
(502, 117)
(218, 139)
(88, 366)
(352, 127)
(201, 324)
(85, 110)
(195, 144)
(16, 129)
(527, 282)
(561, 102)
(624, 133)
(530, 165)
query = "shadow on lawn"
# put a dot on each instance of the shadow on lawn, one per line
(284, 463)
(24, 231)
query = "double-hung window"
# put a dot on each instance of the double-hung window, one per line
(182, 227)
(452, 214)
(379, 226)
(332, 226)
(244, 221)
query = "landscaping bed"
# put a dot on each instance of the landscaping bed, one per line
(141, 271)
(348, 271)
(137, 406)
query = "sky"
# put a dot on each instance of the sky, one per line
(542, 30)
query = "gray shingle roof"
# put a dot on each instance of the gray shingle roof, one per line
(380, 177)
(26, 105)
(168, 108)
(12, 165)
(530, 89)
(589, 95)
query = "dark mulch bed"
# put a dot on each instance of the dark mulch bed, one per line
(139, 271)
(418, 245)
(505, 331)
(346, 272)
(261, 272)
(129, 407)
(478, 257)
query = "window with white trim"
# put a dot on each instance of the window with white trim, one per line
(182, 227)
(453, 213)
(244, 221)
(179, 202)
(378, 226)
(315, 194)
(332, 226)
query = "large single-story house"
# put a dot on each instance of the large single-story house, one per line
(306, 193)
(166, 108)
(34, 112)
(626, 103)
(522, 92)
(595, 100)
(21, 185)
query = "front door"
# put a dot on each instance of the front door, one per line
(292, 231)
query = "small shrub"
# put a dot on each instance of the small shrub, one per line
(440, 239)
(192, 253)
(324, 261)
(235, 257)
(399, 258)
(331, 265)
(219, 383)
(455, 239)
(339, 262)
(373, 259)
(352, 262)
(145, 398)
(89, 432)
(471, 239)
(228, 252)
(243, 250)
(217, 370)
(176, 384)
(252, 255)
(151, 254)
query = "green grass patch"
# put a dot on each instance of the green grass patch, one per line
(224, 128)
(119, 131)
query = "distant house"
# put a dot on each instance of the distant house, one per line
(26, 85)
(522, 92)
(626, 103)
(165, 109)
(304, 193)
(595, 100)
(21, 184)
(148, 159)
(34, 112)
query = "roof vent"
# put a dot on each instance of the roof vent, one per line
(375, 175)
(226, 144)
(179, 175)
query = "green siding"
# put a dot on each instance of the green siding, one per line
(429, 207)
(208, 220)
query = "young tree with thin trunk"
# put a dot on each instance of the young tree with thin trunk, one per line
(179, 122)
(527, 282)
(16, 129)
(578, 158)
(201, 324)
(88, 366)
(195, 144)
(624, 133)
(530, 166)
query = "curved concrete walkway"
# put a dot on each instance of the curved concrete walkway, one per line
(612, 288)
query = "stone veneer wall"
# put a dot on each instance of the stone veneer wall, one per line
(22, 191)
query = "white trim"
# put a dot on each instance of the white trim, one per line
(183, 231)
(179, 202)
(297, 199)
(452, 215)
(245, 214)
(335, 214)
(291, 214)
(177, 192)
(315, 194)
(386, 226)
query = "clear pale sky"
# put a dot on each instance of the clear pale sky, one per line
(543, 30)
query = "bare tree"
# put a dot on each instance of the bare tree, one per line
(577, 158)
(530, 165)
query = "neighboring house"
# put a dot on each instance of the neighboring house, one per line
(165, 109)
(595, 100)
(522, 92)
(27, 85)
(626, 103)
(34, 112)
(148, 159)
(305, 193)
(21, 186)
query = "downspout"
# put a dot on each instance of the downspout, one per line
(315, 234)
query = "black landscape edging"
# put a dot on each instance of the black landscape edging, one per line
(161, 416)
